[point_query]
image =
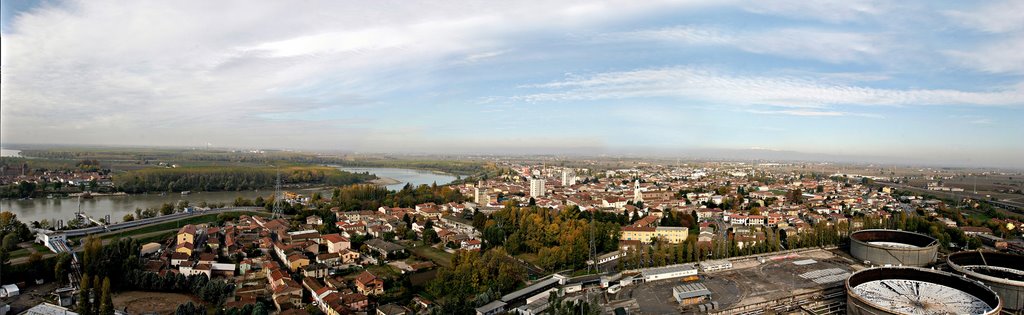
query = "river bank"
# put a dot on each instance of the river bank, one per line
(384, 181)
(64, 208)
(396, 178)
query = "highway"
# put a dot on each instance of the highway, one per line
(153, 220)
(1011, 206)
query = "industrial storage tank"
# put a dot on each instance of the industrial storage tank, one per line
(893, 247)
(1002, 272)
(912, 290)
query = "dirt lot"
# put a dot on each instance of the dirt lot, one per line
(140, 302)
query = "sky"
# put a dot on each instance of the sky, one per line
(904, 81)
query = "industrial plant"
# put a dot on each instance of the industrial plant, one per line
(893, 248)
(911, 290)
(1002, 272)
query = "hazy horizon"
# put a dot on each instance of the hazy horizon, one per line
(650, 154)
(921, 82)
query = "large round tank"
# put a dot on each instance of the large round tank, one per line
(912, 290)
(1004, 273)
(893, 247)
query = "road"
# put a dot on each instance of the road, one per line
(153, 220)
(1012, 206)
(138, 224)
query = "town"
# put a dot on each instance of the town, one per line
(593, 157)
(533, 238)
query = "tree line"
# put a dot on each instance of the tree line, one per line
(230, 178)
(362, 197)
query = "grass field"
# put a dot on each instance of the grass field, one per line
(21, 252)
(438, 256)
(384, 271)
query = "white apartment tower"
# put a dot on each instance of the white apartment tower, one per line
(537, 187)
(568, 177)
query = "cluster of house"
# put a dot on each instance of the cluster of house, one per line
(651, 192)
(264, 257)
(15, 174)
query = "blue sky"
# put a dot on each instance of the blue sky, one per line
(910, 81)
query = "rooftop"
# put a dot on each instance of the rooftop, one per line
(668, 269)
(690, 290)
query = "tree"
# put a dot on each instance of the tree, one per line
(128, 218)
(97, 288)
(106, 302)
(192, 309)
(60, 267)
(430, 237)
(259, 309)
(84, 306)
(795, 196)
(10, 241)
(167, 208)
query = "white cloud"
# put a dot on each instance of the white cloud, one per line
(797, 43)
(834, 11)
(995, 16)
(1000, 56)
(715, 87)
(214, 66)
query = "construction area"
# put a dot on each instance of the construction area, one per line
(808, 281)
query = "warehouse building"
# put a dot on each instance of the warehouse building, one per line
(691, 293)
(670, 272)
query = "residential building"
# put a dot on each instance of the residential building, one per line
(537, 188)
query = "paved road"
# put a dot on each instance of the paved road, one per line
(136, 224)
(1011, 205)
(153, 220)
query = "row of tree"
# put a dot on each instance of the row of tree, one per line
(362, 197)
(233, 178)
(94, 297)
(211, 291)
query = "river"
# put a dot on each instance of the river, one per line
(415, 177)
(117, 206)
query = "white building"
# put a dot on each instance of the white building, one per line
(537, 187)
(9, 290)
(715, 265)
(669, 272)
(568, 178)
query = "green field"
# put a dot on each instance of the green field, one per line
(438, 256)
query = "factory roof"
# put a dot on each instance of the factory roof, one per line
(669, 269)
(690, 290)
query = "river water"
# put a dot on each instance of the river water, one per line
(117, 206)
(415, 177)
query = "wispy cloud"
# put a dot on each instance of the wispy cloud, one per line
(811, 113)
(833, 11)
(795, 43)
(999, 56)
(993, 16)
(716, 87)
